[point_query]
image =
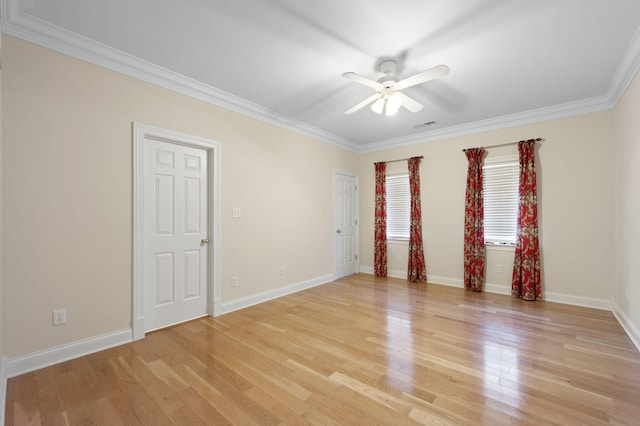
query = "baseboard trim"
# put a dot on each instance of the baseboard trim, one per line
(366, 270)
(11, 367)
(255, 299)
(587, 302)
(398, 274)
(30, 362)
(449, 282)
(3, 390)
(391, 273)
(567, 299)
(22, 364)
(456, 282)
(627, 325)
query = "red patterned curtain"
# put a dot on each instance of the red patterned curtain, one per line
(416, 270)
(526, 265)
(474, 251)
(380, 232)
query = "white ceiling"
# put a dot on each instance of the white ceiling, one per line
(512, 61)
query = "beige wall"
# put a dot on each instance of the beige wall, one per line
(67, 170)
(68, 195)
(627, 203)
(575, 180)
(1, 221)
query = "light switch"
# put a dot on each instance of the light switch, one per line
(236, 212)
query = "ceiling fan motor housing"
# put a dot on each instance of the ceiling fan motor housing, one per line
(387, 80)
(387, 67)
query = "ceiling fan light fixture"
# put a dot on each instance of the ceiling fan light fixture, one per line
(388, 94)
(378, 106)
(394, 102)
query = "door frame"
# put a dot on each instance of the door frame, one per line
(335, 222)
(213, 148)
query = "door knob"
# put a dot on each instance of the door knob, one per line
(204, 241)
(338, 231)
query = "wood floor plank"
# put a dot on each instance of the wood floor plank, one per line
(360, 350)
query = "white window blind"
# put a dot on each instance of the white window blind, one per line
(500, 189)
(398, 206)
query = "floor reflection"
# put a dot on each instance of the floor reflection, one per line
(399, 353)
(500, 365)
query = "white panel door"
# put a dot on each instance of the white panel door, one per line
(346, 221)
(175, 233)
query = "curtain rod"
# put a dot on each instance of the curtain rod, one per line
(395, 161)
(507, 144)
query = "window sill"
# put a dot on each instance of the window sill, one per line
(398, 241)
(499, 247)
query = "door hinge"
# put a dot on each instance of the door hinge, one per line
(356, 257)
(356, 221)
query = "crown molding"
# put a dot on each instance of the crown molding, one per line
(512, 120)
(627, 70)
(18, 23)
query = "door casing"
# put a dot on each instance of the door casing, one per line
(140, 133)
(356, 178)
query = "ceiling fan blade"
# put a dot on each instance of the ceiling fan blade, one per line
(409, 103)
(423, 77)
(362, 80)
(363, 104)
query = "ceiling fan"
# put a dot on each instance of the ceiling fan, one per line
(389, 96)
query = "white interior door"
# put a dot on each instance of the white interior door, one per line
(346, 223)
(175, 233)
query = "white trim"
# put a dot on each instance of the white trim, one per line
(3, 388)
(397, 273)
(40, 359)
(391, 273)
(366, 270)
(255, 299)
(567, 299)
(627, 70)
(450, 282)
(497, 123)
(587, 302)
(500, 247)
(459, 283)
(627, 325)
(140, 133)
(335, 225)
(497, 289)
(18, 23)
(3, 382)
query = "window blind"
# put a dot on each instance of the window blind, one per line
(398, 206)
(500, 190)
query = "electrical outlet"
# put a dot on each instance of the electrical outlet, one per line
(282, 270)
(236, 212)
(234, 281)
(499, 268)
(60, 317)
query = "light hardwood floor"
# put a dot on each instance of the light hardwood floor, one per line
(360, 350)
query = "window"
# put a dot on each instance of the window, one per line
(398, 206)
(500, 190)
